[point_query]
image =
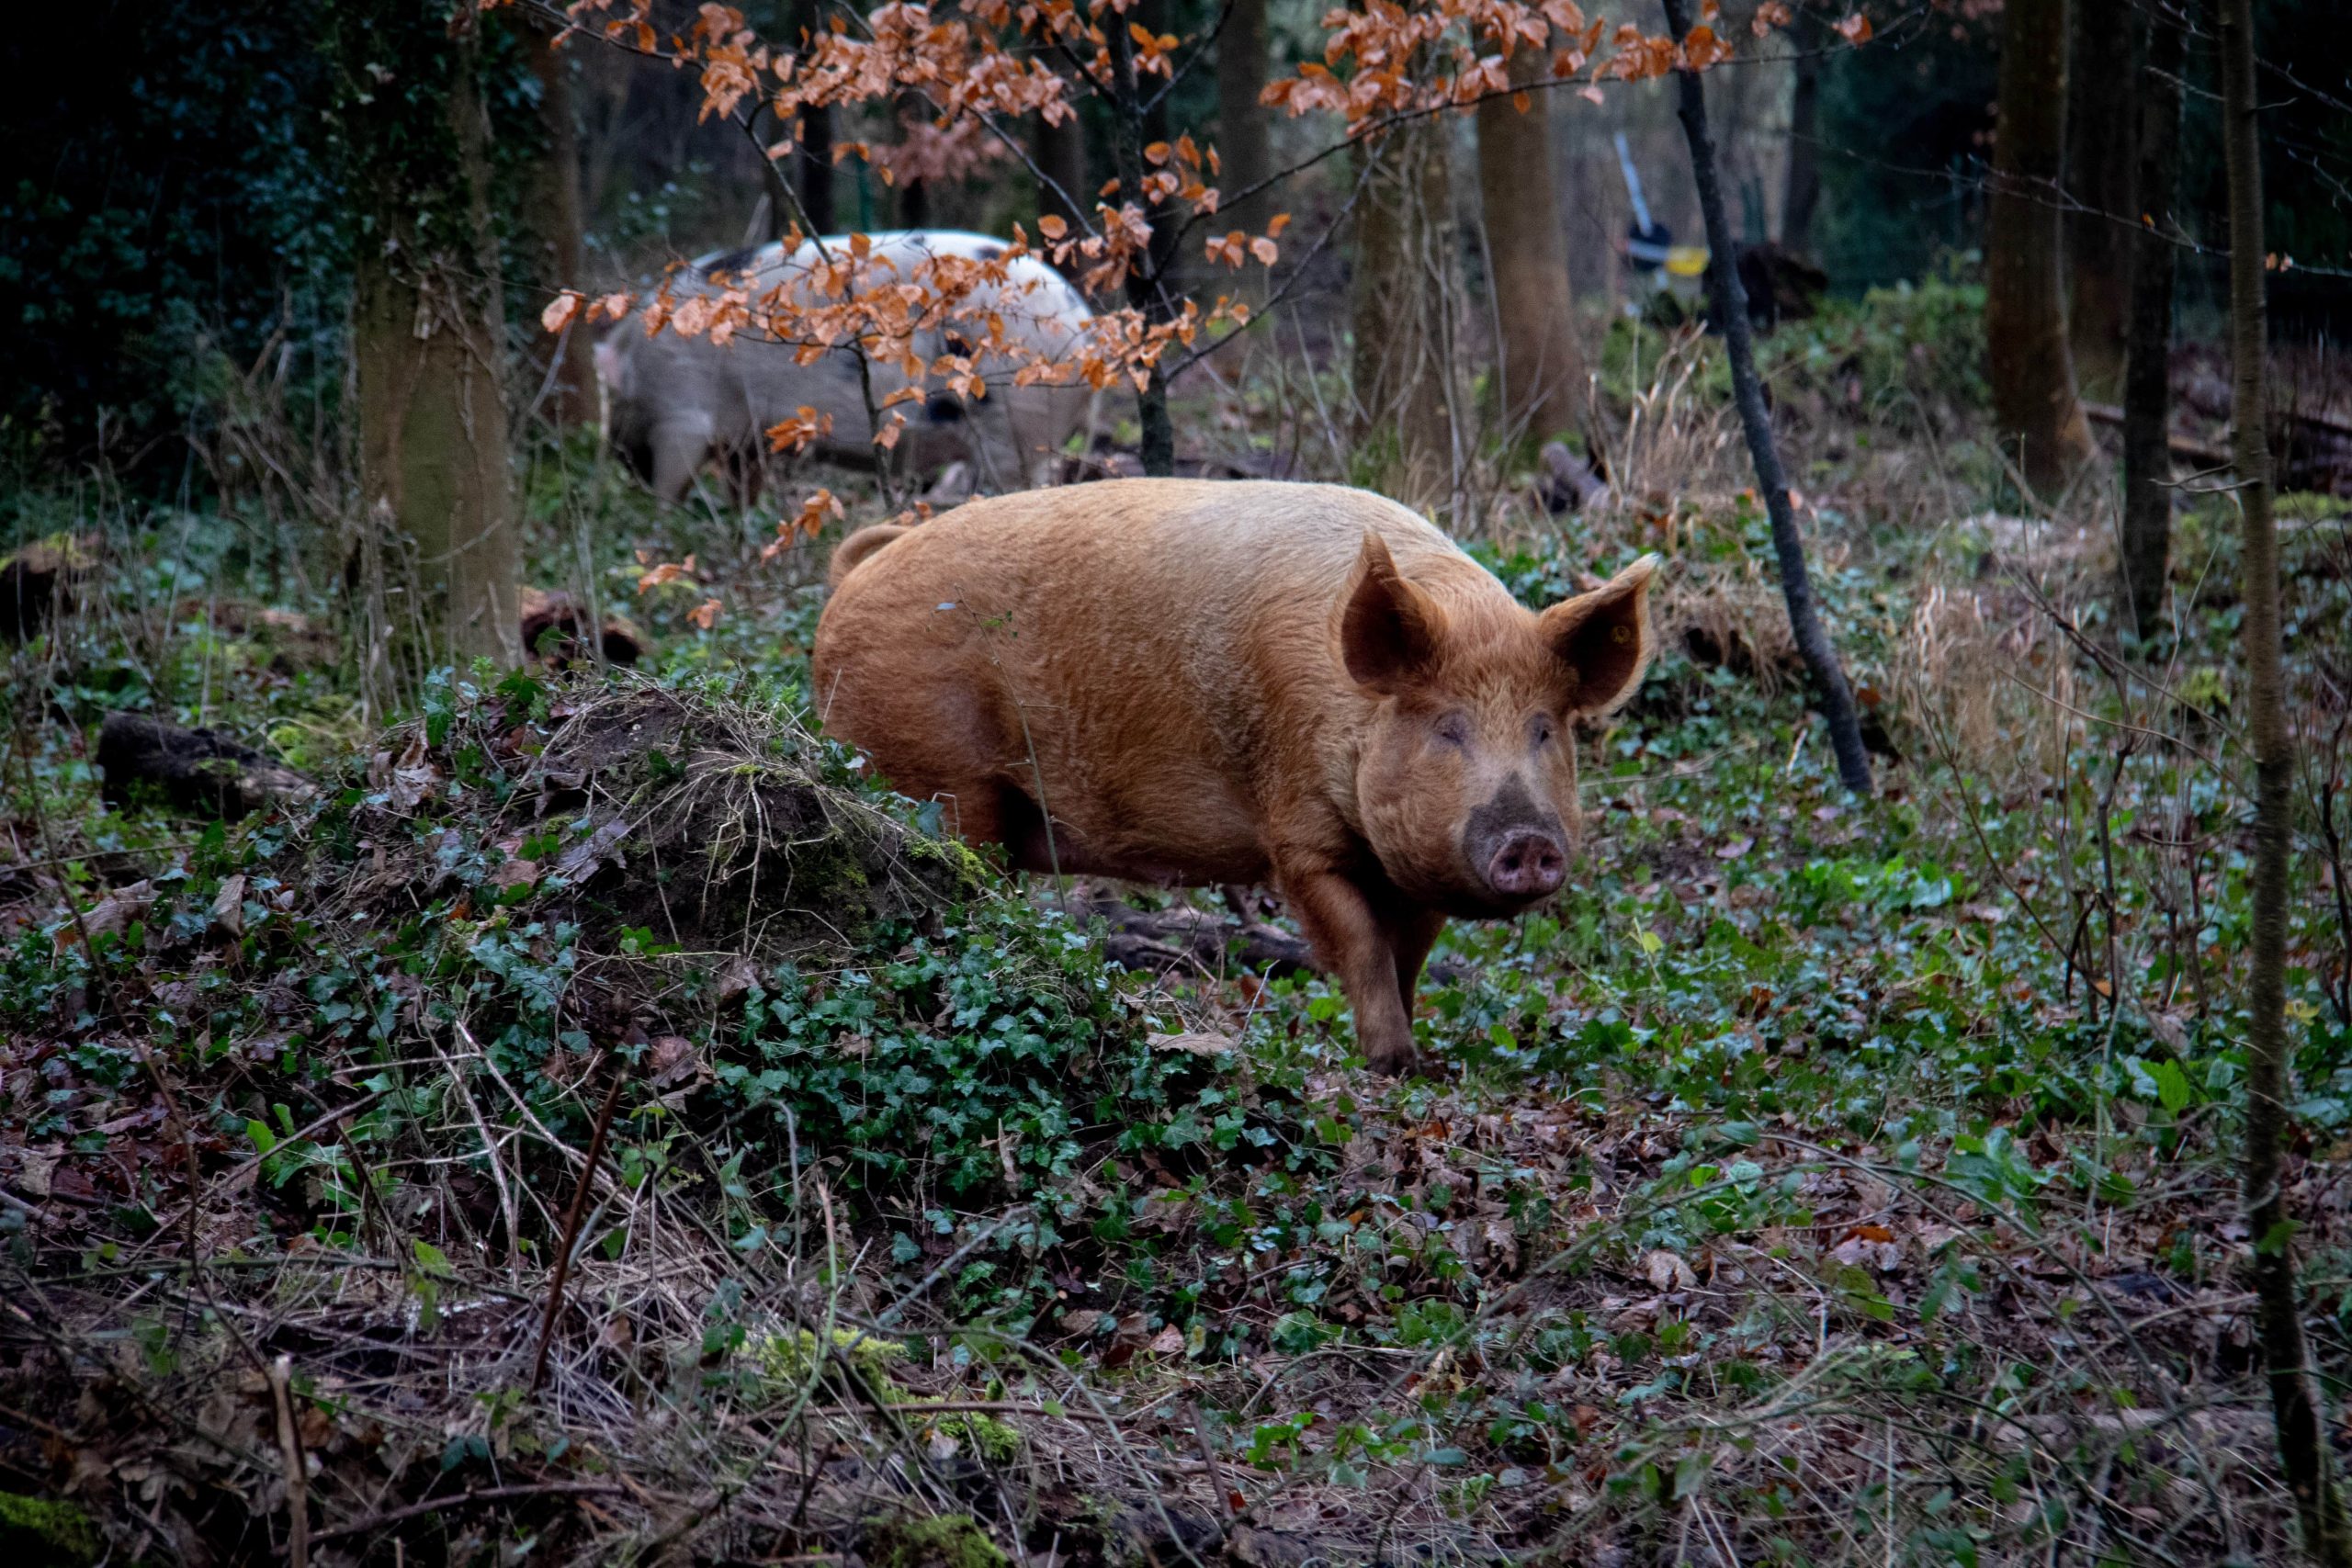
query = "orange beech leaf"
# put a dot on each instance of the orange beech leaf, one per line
(1855, 28)
(705, 614)
(559, 311)
(667, 572)
(1770, 15)
(1266, 249)
(804, 427)
(1052, 227)
(810, 520)
(1276, 224)
(1702, 47)
(1157, 154)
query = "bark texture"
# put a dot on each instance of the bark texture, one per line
(815, 141)
(1244, 149)
(1137, 112)
(1828, 677)
(429, 332)
(1063, 189)
(1527, 259)
(2295, 1405)
(2035, 405)
(571, 390)
(1400, 294)
(2145, 556)
(2101, 121)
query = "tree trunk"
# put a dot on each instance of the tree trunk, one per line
(1802, 195)
(1244, 150)
(1133, 121)
(572, 394)
(429, 332)
(2146, 545)
(817, 168)
(2295, 1408)
(2099, 124)
(1399, 295)
(1527, 259)
(1835, 697)
(815, 141)
(1065, 188)
(2034, 403)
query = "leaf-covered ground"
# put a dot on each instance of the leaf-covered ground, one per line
(1821, 1180)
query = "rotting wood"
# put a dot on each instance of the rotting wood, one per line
(200, 772)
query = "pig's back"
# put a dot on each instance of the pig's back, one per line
(1164, 646)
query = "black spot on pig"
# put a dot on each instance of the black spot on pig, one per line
(733, 261)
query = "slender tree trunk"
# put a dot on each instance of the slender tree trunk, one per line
(2034, 402)
(429, 332)
(1836, 698)
(817, 168)
(1398, 296)
(1129, 98)
(2295, 1406)
(1803, 194)
(2100, 117)
(571, 397)
(1066, 190)
(1527, 258)
(2146, 545)
(816, 139)
(1244, 149)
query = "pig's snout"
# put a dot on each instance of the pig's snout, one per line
(1516, 846)
(1527, 864)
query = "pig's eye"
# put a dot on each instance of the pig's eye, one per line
(1453, 729)
(1539, 730)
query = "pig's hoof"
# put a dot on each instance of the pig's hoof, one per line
(1394, 1064)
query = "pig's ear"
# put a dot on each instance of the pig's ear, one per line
(1602, 639)
(1390, 632)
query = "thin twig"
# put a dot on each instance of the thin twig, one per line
(572, 1224)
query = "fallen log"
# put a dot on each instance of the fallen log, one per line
(1181, 937)
(555, 627)
(44, 580)
(1566, 482)
(199, 772)
(2313, 451)
(2198, 452)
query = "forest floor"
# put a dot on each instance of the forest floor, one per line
(594, 1122)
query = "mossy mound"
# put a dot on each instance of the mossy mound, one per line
(710, 823)
(948, 1540)
(37, 1533)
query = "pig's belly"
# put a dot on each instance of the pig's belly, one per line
(1185, 827)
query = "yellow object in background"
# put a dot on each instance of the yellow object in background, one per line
(1686, 261)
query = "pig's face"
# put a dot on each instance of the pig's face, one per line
(1466, 779)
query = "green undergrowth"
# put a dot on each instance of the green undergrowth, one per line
(1802, 1125)
(538, 885)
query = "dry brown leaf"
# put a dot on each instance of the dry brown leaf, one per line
(1668, 1272)
(228, 905)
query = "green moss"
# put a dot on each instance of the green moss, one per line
(789, 1359)
(952, 1540)
(995, 1441)
(39, 1533)
(970, 871)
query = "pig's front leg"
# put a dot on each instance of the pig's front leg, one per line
(1360, 948)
